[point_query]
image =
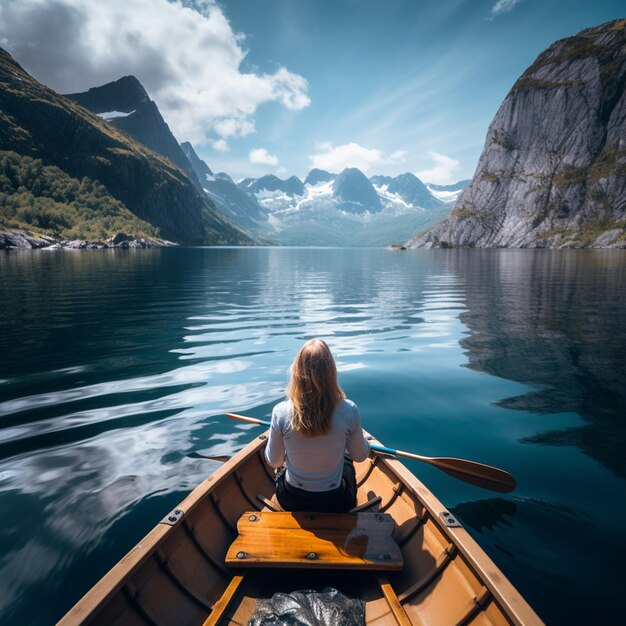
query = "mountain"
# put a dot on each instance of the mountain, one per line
(553, 169)
(79, 159)
(291, 186)
(337, 210)
(125, 104)
(57, 206)
(379, 181)
(239, 206)
(316, 176)
(245, 183)
(413, 191)
(201, 169)
(354, 193)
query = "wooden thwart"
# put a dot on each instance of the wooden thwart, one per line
(359, 541)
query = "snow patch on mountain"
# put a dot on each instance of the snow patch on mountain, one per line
(393, 202)
(445, 196)
(111, 115)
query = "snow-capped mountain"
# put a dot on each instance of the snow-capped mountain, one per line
(413, 191)
(344, 209)
(327, 208)
(291, 186)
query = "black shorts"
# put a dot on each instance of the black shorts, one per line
(339, 500)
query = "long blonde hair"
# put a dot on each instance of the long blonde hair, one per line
(313, 389)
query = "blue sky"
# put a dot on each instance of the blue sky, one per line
(416, 76)
(278, 86)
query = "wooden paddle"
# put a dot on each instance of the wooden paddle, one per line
(197, 455)
(471, 472)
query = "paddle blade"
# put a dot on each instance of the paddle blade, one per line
(485, 476)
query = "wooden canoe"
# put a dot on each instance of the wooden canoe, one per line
(177, 573)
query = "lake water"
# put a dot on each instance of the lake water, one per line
(118, 365)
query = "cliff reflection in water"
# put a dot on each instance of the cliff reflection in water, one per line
(551, 319)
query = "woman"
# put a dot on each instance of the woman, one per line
(311, 432)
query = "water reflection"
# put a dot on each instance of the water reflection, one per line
(487, 514)
(554, 320)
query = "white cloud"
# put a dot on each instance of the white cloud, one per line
(221, 145)
(188, 59)
(337, 158)
(235, 126)
(281, 170)
(443, 171)
(503, 6)
(398, 156)
(261, 155)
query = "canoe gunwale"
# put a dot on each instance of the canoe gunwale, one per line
(503, 591)
(115, 579)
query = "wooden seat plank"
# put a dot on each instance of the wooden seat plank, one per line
(361, 541)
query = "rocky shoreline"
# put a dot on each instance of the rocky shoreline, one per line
(24, 240)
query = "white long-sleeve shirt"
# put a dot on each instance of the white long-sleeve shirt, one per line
(316, 463)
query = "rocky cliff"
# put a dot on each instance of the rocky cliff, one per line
(553, 169)
(38, 123)
(523, 314)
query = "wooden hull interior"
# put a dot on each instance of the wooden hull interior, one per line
(176, 574)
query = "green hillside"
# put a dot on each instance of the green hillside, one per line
(38, 123)
(39, 197)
